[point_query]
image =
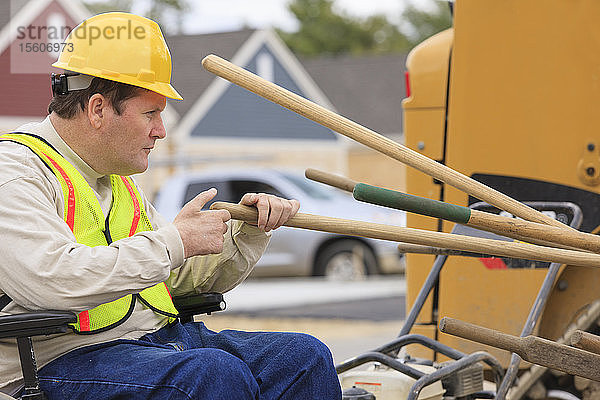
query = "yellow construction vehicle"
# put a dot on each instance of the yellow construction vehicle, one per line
(510, 96)
(506, 97)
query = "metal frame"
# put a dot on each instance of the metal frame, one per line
(387, 353)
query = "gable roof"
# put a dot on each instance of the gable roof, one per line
(365, 89)
(23, 12)
(226, 110)
(8, 9)
(27, 84)
(187, 51)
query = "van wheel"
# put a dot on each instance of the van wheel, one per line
(345, 260)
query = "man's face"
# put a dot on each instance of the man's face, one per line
(131, 136)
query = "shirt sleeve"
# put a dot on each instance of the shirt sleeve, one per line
(43, 266)
(243, 246)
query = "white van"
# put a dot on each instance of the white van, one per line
(292, 251)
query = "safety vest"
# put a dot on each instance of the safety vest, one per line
(83, 215)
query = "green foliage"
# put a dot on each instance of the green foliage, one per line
(159, 7)
(105, 6)
(323, 30)
(157, 12)
(423, 24)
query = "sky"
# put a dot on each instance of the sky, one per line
(207, 16)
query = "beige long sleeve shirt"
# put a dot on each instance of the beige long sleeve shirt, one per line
(42, 267)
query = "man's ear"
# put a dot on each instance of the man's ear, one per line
(97, 108)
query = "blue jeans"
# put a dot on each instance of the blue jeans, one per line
(189, 361)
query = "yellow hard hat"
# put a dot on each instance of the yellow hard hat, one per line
(120, 47)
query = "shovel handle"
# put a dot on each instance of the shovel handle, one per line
(481, 334)
(423, 237)
(369, 138)
(542, 234)
(586, 341)
(337, 181)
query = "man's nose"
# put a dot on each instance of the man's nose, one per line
(159, 131)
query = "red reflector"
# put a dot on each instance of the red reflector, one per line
(493, 263)
(407, 82)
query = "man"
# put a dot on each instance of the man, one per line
(79, 235)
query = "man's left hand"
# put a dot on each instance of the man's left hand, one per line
(273, 211)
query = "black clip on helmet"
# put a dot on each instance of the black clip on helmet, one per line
(59, 84)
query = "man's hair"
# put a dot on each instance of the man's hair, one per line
(68, 105)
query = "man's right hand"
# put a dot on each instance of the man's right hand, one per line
(202, 231)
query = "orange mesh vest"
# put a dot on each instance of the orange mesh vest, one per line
(84, 216)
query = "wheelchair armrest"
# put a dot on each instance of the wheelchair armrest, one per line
(203, 303)
(35, 323)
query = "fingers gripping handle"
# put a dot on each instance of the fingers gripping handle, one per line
(240, 212)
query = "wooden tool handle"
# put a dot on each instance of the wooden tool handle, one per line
(481, 334)
(337, 181)
(418, 236)
(586, 341)
(508, 226)
(408, 202)
(511, 227)
(438, 251)
(533, 349)
(369, 138)
(391, 198)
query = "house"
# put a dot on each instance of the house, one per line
(368, 90)
(219, 124)
(30, 32)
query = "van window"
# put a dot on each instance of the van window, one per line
(311, 188)
(239, 188)
(223, 193)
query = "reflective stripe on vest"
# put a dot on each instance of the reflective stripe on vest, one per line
(83, 215)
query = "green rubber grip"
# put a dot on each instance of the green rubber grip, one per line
(408, 202)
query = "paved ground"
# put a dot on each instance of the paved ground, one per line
(271, 294)
(350, 317)
(379, 309)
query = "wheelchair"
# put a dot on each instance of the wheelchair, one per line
(23, 326)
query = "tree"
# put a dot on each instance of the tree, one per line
(420, 24)
(108, 5)
(167, 13)
(323, 30)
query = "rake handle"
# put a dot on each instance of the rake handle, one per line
(423, 237)
(369, 138)
(586, 341)
(511, 227)
(531, 348)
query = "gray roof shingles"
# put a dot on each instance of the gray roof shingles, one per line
(187, 52)
(366, 89)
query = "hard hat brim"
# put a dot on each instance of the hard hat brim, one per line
(166, 90)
